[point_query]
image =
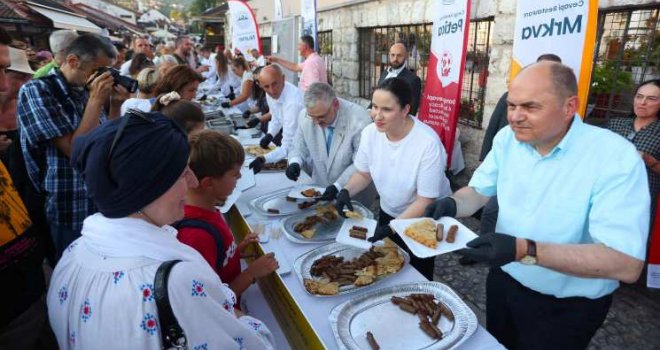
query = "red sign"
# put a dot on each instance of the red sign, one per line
(441, 98)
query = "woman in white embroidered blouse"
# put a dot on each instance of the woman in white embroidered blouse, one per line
(101, 294)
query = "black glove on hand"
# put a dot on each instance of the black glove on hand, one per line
(247, 114)
(382, 232)
(231, 95)
(253, 122)
(265, 141)
(343, 200)
(225, 105)
(494, 249)
(257, 164)
(330, 193)
(442, 207)
(293, 171)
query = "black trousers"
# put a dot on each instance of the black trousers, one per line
(521, 318)
(424, 266)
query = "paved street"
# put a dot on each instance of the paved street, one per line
(632, 323)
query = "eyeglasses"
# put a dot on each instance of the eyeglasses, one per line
(120, 131)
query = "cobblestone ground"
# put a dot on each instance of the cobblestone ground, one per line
(632, 323)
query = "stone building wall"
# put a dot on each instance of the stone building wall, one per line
(343, 18)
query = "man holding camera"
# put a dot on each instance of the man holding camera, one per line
(52, 112)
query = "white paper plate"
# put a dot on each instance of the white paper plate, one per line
(273, 246)
(296, 191)
(247, 179)
(463, 236)
(344, 237)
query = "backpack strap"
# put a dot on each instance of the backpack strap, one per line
(210, 229)
(171, 333)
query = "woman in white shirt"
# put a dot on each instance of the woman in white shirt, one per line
(405, 160)
(222, 80)
(146, 85)
(243, 101)
(101, 293)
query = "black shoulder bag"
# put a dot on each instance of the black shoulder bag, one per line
(171, 334)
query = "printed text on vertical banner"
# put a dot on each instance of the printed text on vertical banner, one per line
(566, 29)
(308, 13)
(441, 98)
(244, 27)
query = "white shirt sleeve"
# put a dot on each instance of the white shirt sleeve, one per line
(290, 114)
(299, 150)
(361, 160)
(431, 168)
(206, 313)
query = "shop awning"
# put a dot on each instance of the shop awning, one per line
(66, 20)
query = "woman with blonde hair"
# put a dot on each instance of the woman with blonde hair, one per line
(146, 79)
(243, 101)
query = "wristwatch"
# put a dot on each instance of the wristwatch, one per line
(530, 257)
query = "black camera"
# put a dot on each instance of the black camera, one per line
(129, 83)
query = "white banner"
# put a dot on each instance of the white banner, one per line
(564, 28)
(244, 28)
(308, 14)
(279, 13)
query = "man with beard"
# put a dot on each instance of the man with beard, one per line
(399, 68)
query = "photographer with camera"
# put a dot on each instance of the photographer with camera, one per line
(56, 109)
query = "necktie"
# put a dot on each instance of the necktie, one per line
(330, 130)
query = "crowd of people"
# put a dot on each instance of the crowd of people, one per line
(107, 173)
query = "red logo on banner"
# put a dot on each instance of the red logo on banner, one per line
(446, 63)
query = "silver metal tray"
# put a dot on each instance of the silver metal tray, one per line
(325, 232)
(394, 328)
(277, 200)
(303, 264)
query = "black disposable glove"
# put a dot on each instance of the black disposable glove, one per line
(253, 122)
(265, 141)
(330, 193)
(293, 171)
(494, 249)
(247, 114)
(442, 207)
(231, 95)
(382, 232)
(225, 105)
(257, 164)
(343, 200)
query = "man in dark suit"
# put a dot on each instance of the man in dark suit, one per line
(399, 68)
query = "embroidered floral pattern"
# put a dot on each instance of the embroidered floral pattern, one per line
(227, 305)
(63, 294)
(240, 342)
(117, 275)
(147, 292)
(85, 311)
(198, 289)
(72, 338)
(71, 246)
(149, 324)
(204, 346)
(255, 325)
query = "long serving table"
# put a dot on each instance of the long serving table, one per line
(298, 320)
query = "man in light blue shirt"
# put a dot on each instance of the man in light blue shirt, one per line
(573, 221)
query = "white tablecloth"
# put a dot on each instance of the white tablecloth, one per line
(317, 309)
